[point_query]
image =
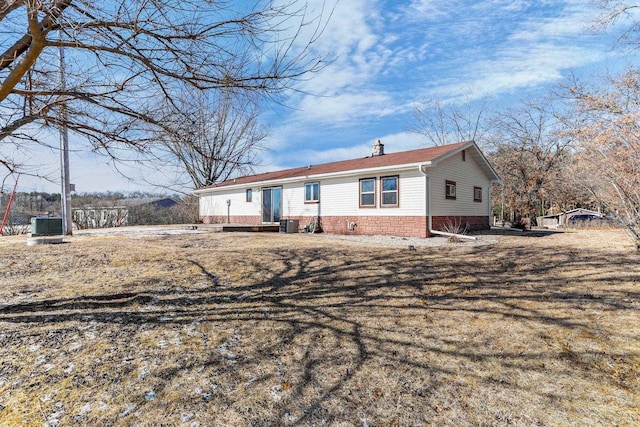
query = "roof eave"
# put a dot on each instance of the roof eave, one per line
(253, 184)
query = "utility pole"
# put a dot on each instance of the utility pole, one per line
(67, 223)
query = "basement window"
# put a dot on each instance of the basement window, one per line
(450, 190)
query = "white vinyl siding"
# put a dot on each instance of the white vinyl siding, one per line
(340, 196)
(293, 204)
(467, 175)
(216, 203)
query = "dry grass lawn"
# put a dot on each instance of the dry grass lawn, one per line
(270, 329)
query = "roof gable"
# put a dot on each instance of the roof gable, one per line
(429, 156)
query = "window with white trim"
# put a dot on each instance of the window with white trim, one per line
(312, 192)
(368, 193)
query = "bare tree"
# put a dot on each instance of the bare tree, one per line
(212, 138)
(529, 152)
(609, 121)
(123, 56)
(609, 136)
(441, 123)
(621, 12)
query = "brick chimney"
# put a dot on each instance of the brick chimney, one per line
(378, 148)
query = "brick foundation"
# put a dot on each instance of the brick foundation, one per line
(404, 226)
(472, 223)
(401, 226)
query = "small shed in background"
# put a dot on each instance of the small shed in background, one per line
(561, 219)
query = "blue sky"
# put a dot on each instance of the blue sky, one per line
(390, 54)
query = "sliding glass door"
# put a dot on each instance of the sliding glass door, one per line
(271, 204)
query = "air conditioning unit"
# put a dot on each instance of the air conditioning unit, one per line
(289, 225)
(46, 226)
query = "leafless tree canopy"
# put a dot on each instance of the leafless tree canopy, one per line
(529, 152)
(609, 137)
(620, 12)
(123, 56)
(211, 138)
(441, 123)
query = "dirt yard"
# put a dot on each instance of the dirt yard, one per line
(212, 329)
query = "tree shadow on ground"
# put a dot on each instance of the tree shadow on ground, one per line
(535, 232)
(330, 335)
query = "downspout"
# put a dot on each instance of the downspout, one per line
(422, 168)
(489, 210)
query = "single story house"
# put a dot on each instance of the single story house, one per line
(410, 194)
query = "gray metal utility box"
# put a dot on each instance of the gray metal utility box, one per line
(46, 226)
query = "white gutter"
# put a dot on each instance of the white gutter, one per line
(421, 168)
(489, 211)
(460, 236)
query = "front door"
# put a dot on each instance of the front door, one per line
(271, 204)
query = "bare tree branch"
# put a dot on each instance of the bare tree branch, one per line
(212, 140)
(126, 58)
(530, 151)
(623, 13)
(442, 124)
(608, 132)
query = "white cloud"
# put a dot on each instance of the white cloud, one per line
(453, 48)
(455, 51)
(529, 52)
(574, 21)
(394, 142)
(428, 10)
(89, 171)
(347, 107)
(347, 88)
(517, 69)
